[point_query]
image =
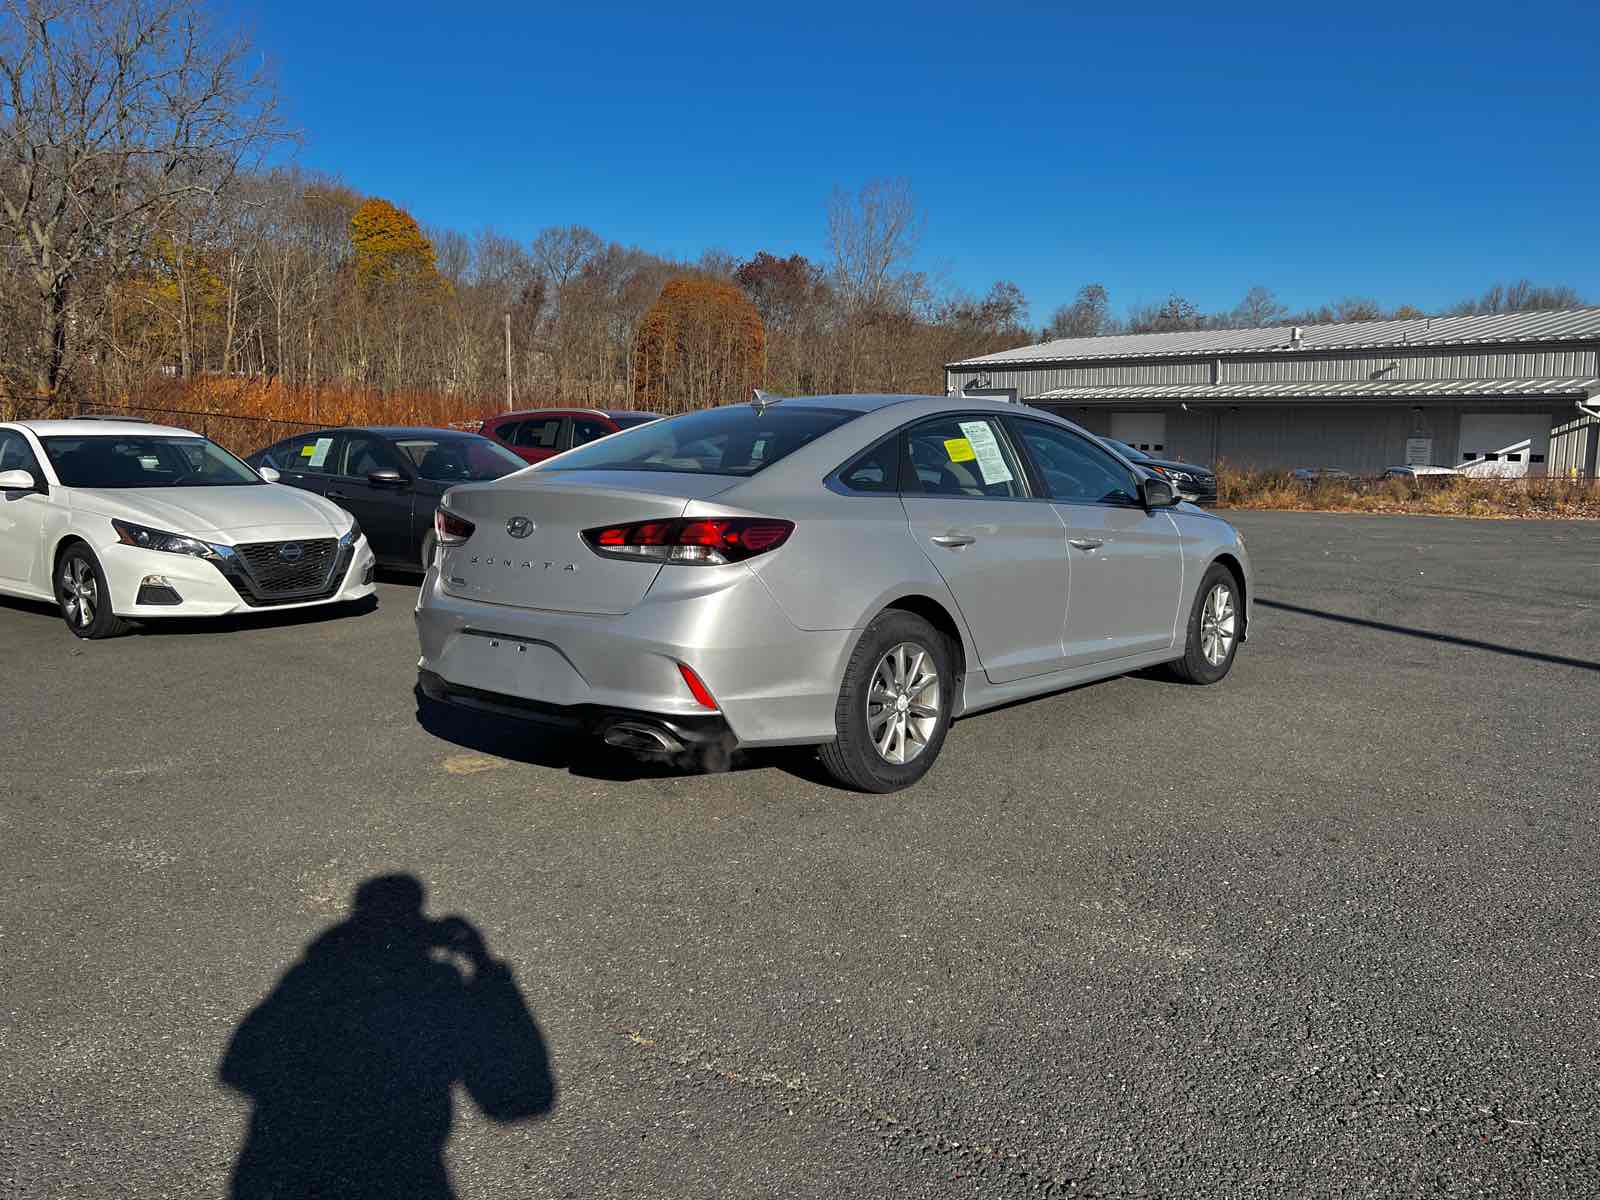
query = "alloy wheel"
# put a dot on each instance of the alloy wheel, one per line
(1218, 624)
(80, 592)
(903, 701)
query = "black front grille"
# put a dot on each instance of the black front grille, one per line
(274, 575)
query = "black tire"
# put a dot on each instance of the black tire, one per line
(81, 592)
(1196, 666)
(853, 757)
(427, 551)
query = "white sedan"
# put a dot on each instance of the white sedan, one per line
(119, 521)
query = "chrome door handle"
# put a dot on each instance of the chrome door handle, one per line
(1086, 543)
(952, 541)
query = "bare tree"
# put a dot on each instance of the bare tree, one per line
(873, 236)
(113, 113)
(1089, 315)
(1259, 308)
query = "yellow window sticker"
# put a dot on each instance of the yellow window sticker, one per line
(307, 450)
(959, 450)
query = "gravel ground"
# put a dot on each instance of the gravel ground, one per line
(1328, 929)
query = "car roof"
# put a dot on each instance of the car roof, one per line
(68, 426)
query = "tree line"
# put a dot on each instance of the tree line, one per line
(1090, 315)
(147, 241)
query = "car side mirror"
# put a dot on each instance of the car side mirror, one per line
(268, 474)
(17, 481)
(388, 477)
(1156, 493)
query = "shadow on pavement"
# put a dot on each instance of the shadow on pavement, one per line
(350, 1062)
(261, 618)
(1450, 639)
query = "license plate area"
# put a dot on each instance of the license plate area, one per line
(513, 666)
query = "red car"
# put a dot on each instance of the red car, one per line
(537, 434)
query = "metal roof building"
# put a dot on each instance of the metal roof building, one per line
(1513, 393)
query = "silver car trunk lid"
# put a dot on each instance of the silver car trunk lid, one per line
(549, 566)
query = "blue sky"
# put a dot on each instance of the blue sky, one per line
(1410, 152)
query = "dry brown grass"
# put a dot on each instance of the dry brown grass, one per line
(245, 415)
(1551, 499)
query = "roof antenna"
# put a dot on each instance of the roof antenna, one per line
(762, 399)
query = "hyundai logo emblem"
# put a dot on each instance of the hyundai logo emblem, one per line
(291, 552)
(519, 527)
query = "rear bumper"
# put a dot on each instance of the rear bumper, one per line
(595, 720)
(774, 684)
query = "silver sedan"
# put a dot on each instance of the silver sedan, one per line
(849, 572)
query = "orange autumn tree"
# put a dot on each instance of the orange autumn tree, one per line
(391, 249)
(701, 343)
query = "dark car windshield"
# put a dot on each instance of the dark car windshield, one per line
(457, 457)
(629, 420)
(144, 461)
(738, 439)
(1127, 451)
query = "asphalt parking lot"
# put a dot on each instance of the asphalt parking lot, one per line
(1329, 929)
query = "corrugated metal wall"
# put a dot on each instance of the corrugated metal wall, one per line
(1361, 438)
(1574, 447)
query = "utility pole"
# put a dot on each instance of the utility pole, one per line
(508, 362)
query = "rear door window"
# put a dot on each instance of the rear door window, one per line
(539, 434)
(962, 456)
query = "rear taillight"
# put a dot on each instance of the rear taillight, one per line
(450, 529)
(708, 541)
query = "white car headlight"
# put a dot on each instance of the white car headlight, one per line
(352, 535)
(146, 538)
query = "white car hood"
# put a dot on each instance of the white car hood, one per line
(242, 513)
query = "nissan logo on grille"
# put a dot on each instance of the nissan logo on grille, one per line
(291, 552)
(519, 527)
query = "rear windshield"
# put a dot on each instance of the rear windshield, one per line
(458, 458)
(629, 420)
(739, 439)
(145, 461)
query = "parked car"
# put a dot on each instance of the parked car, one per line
(851, 572)
(389, 477)
(1317, 474)
(1192, 482)
(1423, 476)
(539, 434)
(122, 521)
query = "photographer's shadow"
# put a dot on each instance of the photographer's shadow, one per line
(351, 1060)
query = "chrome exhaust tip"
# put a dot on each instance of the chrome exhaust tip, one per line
(647, 739)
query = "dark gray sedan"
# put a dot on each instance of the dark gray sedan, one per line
(390, 478)
(1190, 480)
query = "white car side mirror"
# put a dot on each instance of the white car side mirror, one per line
(17, 481)
(268, 474)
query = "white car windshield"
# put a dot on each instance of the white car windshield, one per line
(144, 461)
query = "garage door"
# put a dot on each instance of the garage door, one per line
(1504, 444)
(1142, 431)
